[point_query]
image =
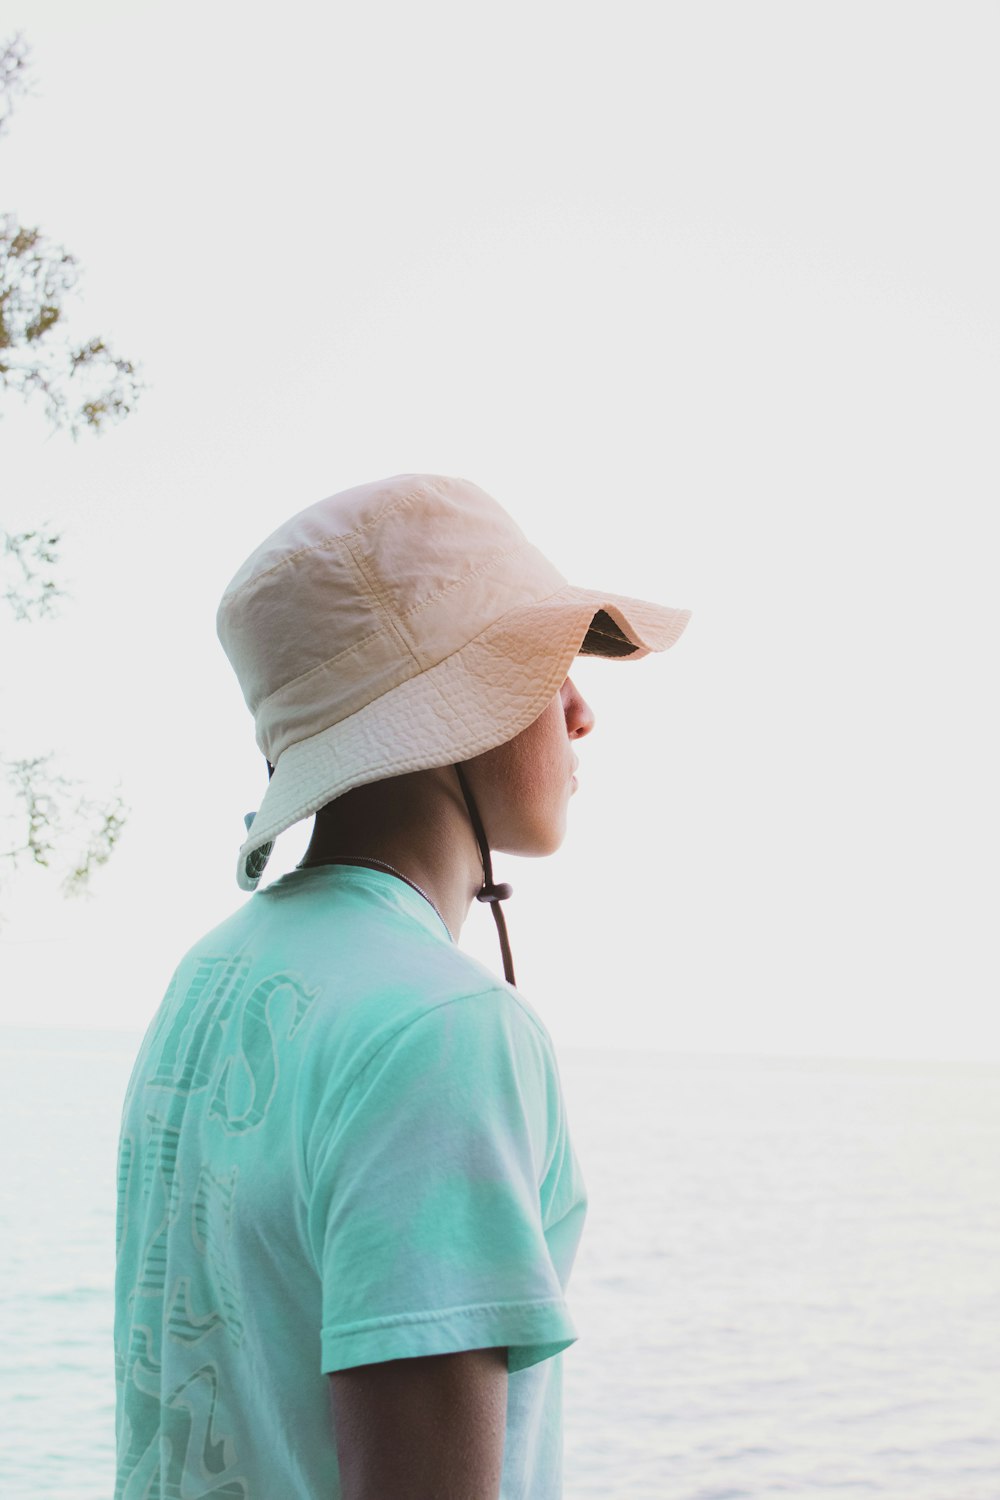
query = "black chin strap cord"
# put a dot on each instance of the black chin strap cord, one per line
(490, 892)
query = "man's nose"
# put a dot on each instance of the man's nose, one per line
(579, 714)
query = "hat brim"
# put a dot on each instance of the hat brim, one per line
(477, 698)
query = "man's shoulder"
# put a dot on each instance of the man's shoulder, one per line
(364, 967)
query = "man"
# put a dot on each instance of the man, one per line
(348, 1201)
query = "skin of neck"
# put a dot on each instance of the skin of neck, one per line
(417, 823)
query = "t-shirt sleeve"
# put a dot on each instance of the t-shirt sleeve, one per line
(426, 1209)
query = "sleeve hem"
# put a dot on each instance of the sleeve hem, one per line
(530, 1331)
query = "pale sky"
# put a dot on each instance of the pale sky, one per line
(706, 295)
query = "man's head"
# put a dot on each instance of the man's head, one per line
(406, 625)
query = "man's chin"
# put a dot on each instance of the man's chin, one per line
(538, 845)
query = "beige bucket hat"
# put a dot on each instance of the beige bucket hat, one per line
(400, 625)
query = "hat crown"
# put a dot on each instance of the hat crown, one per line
(366, 589)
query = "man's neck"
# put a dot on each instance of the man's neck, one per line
(419, 825)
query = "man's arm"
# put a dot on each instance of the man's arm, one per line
(428, 1428)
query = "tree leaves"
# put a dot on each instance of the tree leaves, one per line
(53, 815)
(84, 386)
(34, 594)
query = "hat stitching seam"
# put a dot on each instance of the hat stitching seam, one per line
(376, 592)
(334, 661)
(321, 666)
(422, 673)
(494, 560)
(341, 656)
(484, 567)
(325, 543)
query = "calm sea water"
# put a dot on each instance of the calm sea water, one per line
(789, 1283)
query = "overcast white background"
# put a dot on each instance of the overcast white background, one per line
(706, 295)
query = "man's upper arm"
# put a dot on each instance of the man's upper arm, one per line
(427, 1428)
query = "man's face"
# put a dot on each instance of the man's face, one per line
(523, 788)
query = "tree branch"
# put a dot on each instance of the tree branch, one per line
(34, 595)
(82, 385)
(13, 76)
(53, 817)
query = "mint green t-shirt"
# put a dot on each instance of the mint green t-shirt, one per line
(344, 1141)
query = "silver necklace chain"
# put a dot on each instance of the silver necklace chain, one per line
(378, 864)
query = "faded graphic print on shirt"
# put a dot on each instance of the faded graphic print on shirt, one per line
(174, 1231)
